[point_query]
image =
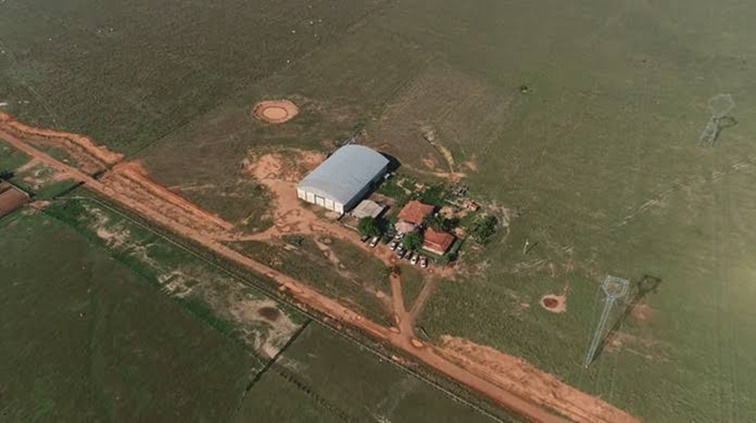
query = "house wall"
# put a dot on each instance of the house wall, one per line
(336, 206)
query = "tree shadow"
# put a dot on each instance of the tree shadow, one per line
(646, 285)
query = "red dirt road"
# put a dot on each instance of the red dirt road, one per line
(137, 192)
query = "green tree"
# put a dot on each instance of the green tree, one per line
(434, 195)
(439, 223)
(483, 228)
(413, 241)
(368, 227)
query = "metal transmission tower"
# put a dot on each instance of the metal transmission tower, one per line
(720, 105)
(614, 288)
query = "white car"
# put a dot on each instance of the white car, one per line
(424, 262)
(413, 260)
(374, 241)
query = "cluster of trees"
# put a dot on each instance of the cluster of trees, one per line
(369, 227)
(440, 223)
(413, 241)
(483, 228)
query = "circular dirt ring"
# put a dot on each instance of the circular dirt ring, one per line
(554, 303)
(275, 111)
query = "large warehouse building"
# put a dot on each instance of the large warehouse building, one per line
(341, 181)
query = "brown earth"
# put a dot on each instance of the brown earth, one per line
(129, 185)
(643, 313)
(270, 313)
(102, 154)
(275, 111)
(11, 200)
(554, 303)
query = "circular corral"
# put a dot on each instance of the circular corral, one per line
(275, 111)
(554, 303)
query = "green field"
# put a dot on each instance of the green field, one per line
(87, 339)
(600, 155)
(118, 277)
(328, 376)
(308, 265)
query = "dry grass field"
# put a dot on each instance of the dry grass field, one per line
(600, 153)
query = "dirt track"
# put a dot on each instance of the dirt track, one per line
(129, 185)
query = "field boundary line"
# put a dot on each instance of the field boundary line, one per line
(233, 273)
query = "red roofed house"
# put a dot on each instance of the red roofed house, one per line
(438, 242)
(413, 215)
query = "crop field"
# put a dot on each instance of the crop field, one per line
(584, 116)
(226, 304)
(148, 70)
(326, 376)
(85, 338)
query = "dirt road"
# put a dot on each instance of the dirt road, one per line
(131, 188)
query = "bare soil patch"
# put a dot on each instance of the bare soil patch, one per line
(269, 313)
(643, 313)
(11, 200)
(72, 141)
(554, 303)
(275, 111)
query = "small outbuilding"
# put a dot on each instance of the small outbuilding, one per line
(438, 242)
(11, 198)
(343, 179)
(368, 208)
(412, 216)
(415, 212)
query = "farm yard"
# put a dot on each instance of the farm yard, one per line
(584, 118)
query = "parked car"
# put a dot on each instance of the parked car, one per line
(398, 236)
(374, 241)
(408, 256)
(401, 252)
(393, 245)
(424, 262)
(413, 259)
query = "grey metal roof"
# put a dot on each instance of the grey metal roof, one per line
(343, 175)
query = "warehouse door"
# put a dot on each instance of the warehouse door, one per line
(320, 201)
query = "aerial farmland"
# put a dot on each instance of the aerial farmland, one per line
(557, 225)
